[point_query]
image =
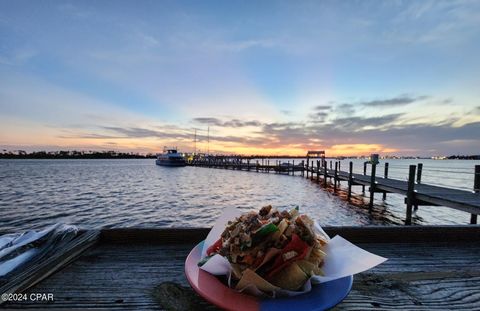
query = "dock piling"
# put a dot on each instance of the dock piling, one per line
(419, 173)
(311, 175)
(410, 194)
(372, 187)
(476, 189)
(364, 173)
(385, 175)
(318, 171)
(331, 168)
(335, 177)
(350, 180)
(325, 174)
(307, 167)
(419, 181)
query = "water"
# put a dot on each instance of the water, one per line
(137, 193)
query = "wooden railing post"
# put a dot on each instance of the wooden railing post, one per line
(311, 175)
(303, 167)
(419, 173)
(385, 175)
(307, 167)
(350, 180)
(330, 170)
(372, 187)
(419, 181)
(335, 177)
(364, 173)
(476, 189)
(318, 171)
(325, 174)
(410, 194)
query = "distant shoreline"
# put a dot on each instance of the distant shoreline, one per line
(106, 156)
(75, 155)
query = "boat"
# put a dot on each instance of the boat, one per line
(170, 157)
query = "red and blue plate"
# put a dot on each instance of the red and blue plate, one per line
(322, 296)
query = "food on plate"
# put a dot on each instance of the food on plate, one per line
(271, 249)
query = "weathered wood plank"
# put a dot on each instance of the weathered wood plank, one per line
(436, 272)
(124, 277)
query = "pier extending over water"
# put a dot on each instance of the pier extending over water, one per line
(416, 193)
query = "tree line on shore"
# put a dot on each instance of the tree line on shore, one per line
(20, 154)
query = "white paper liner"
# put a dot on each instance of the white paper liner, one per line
(343, 258)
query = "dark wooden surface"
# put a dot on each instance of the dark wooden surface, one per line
(433, 273)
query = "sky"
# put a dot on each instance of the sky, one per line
(263, 77)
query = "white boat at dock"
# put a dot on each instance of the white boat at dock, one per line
(170, 157)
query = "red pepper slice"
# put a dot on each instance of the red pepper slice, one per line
(215, 247)
(297, 245)
(258, 261)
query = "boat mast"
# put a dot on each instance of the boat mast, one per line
(195, 142)
(208, 140)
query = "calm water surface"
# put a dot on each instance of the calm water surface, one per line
(137, 193)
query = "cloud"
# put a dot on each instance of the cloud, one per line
(419, 139)
(135, 132)
(235, 123)
(395, 101)
(447, 101)
(358, 123)
(345, 109)
(322, 107)
(318, 116)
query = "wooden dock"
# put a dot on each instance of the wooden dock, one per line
(416, 193)
(428, 267)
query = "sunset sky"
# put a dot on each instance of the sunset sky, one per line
(267, 77)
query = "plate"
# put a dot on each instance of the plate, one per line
(322, 296)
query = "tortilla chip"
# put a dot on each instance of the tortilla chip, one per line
(237, 272)
(291, 278)
(251, 278)
(307, 267)
(282, 226)
(272, 252)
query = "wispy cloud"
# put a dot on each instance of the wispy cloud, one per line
(322, 107)
(235, 123)
(395, 101)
